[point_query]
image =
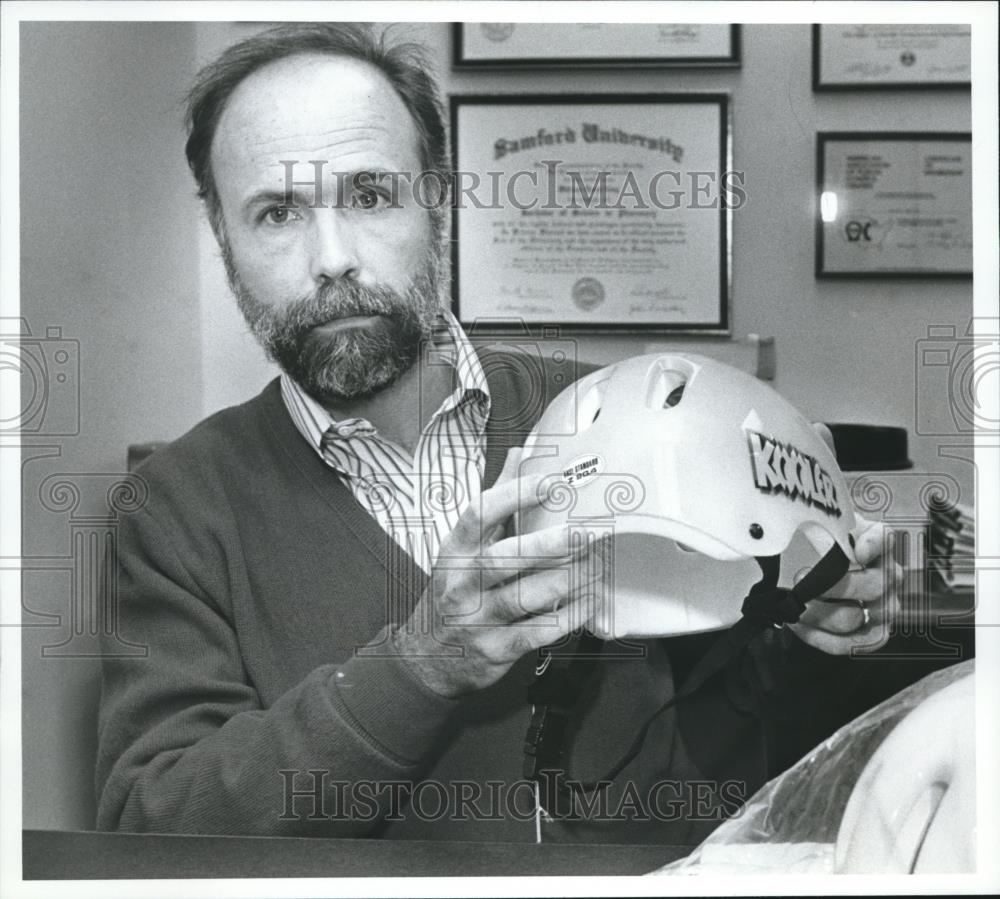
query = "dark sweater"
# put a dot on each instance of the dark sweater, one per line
(263, 592)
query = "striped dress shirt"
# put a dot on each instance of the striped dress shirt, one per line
(416, 499)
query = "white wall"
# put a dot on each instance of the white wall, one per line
(108, 242)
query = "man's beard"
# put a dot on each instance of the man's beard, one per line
(351, 363)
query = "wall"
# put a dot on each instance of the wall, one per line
(116, 254)
(108, 237)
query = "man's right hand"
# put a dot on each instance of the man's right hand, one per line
(491, 600)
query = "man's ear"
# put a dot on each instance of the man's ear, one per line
(827, 436)
(212, 207)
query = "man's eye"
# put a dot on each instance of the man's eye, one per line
(279, 215)
(366, 199)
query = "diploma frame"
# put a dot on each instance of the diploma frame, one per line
(820, 85)
(460, 60)
(823, 140)
(719, 327)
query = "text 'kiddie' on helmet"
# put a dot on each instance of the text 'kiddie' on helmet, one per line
(695, 469)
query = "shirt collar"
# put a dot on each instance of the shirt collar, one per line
(449, 344)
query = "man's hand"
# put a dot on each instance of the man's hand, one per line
(491, 600)
(860, 609)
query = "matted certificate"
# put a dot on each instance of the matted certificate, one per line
(848, 57)
(540, 44)
(894, 204)
(594, 212)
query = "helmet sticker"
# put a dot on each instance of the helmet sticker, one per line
(583, 469)
(781, 468)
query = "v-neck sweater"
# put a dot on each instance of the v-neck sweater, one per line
(250, 666)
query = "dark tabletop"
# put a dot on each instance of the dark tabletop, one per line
(82, 855)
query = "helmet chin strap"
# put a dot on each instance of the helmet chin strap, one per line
(560, 679)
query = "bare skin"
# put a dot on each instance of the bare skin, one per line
(835, 623)
(493, 598)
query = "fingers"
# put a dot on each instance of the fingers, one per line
(857, 614)
(877, 585)
(533, 633)
(547, 591)
(831, 644)
(501, 643)
(510, 465)
(838, 626)
(493, 509)
(868, 585)
(872, 539)
(844, 617)
(841, 611)
(862, 638)
(552, 547)
(834, 616)
(553, 541)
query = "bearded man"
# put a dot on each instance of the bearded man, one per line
(339, 627)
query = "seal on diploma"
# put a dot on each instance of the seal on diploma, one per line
(497, 31)
(588, 294)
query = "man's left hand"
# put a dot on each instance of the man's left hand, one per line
(859, 610)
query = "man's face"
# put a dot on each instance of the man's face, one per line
(339, 296)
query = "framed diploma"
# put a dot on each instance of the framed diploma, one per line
(894, 204)
(547, 44)
(593, 212)
(852, 57)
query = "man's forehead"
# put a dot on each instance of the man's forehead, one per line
(313, 104)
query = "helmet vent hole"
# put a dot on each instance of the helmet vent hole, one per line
(665, 389)
(674, 397)
(591, 400)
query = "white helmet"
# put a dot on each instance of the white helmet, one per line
(688, 463)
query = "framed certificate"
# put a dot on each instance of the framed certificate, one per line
(852, 57)
(594, 212)
(547, 44)
(894, 204)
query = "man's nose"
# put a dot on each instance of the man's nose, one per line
(334, 251)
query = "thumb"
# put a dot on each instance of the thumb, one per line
(511, 464)
(872, 540)
(827, 435)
